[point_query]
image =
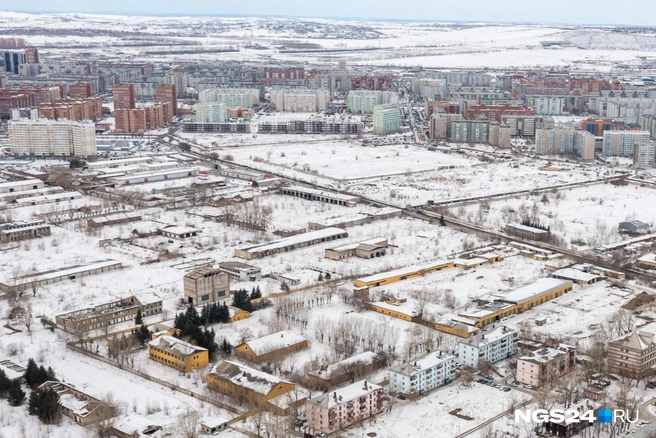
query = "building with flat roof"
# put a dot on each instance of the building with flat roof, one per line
(422, 374)
(206, 285)
(623, 143)
(320, 195)
(290, 243)
(241, 271)
(343, 407)
(367, 249)
(354, 367)
(276, 345)
(23, 230)
(178, 354)
(124, 96)
(45, 138)
(387, 119)
(491, 345)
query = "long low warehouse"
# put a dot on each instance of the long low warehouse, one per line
(141, 178)
(290, 243)
(402, 274)
(320, 195)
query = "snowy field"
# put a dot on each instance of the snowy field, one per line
(605, 206)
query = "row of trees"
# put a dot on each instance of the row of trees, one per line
(189, 325)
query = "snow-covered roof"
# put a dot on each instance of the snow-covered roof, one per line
(648, 258)
(133, 424)
(431, 360)
(575, 275)
(245, 377)
(149, 298)
(376, 242)
(214, 422)
(51, 197)
(528, 292)
(70, 270)
(12, 370)
(323, 193)
(641, 339)
(179, 230)
(528, 229)
(274, 342)
(175, 345)
(334, 370)
(403, 271)
(294, 240)
(470, 262)
(343, 395)
(489, 335)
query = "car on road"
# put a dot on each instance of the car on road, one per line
(529, 387)
(514, 383)
(489, 383)
(482, 381)
(506, 389)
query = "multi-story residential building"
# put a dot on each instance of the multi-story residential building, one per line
(597, 127)
(178, 354)
(430, 88)
(232, 97)
(526, 126)
(545, 365)
(82, 90)
(645, 156)
(380, 83)
(13, 59)
(623, 143)
(124, 96)
(496, 112)
(168, 95)
(470, 131)
(139, 120)
(107, 314)
(441, 125)
(245, 384)
(634, 355)
(387, 119)
(69, 109)
(52, 138)
(206, 285)
(212, 112)
(443, 107)
(276, 345)
(300, 100)
(548, 105)
(343, 407)
(422, 374)
(490, 345)
(364, 101)
(561, 141)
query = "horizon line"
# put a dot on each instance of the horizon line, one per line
(335, 18)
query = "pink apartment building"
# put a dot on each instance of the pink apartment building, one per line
(546, 364)
(343, 407)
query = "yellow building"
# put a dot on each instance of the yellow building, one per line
(393, 308)
(402, 274)
(247, 385)
(236, 314)
(518, 300)
(178, 354)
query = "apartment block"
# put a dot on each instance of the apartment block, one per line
(211, 112)
(422, 374)
(138, 120)
(561, 141)
(168, 95)
(52, 138)
(364, 101)
(206, 285)
(83, 90)
(496, 112)
(545, 365)
(300, 100)
(124, 96)
(470, 131)
(441, 125)
(634, 355)
(387, 119)
(70, 109)
(232, 97)
(645, 156)
(491, 345)
(343, 407)
(623, 143)
(526, 126)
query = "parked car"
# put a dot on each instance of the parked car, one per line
(506, 389)
(528, 386)
(489, 383)
(401, 397)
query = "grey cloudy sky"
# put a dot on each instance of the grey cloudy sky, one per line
(632, 12)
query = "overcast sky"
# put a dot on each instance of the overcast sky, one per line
(632, 12)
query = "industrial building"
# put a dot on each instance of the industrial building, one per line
(367, 249)
(402, 274)
(23, 230)
(206, 285)
(320, 195)
(351, 368)
(142, 178)
(241, 271)
(276, 345)
(290, 243)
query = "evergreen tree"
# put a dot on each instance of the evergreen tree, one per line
(31, 372)
(16, 393)
(40, 377)
(34, 403)
(142, 334)
(226, 348)
(224, 313)
(284, 286)
(240, 299)
(4, 384)
(51, 374)
(256, 293)
(328, 276)
(138, 320)
(442, 222)
(49, 407)
(320, 277)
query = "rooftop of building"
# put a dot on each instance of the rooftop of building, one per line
(344, 395)
(274, 342)
(175, 345)
(423, 363)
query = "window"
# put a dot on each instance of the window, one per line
(221, 293)
(205, 297)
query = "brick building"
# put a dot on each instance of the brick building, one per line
(124, 96)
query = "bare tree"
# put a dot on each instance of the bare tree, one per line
(421, 299)
(321, 325)
(27, 316)
(187, 425)
(569, 388)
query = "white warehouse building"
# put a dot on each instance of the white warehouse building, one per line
(491, 345)
(422, 374)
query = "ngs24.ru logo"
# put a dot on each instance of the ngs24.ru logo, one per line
(568, 416)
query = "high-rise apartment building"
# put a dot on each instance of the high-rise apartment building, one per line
(168, 94)
(300, 100)
(83, 90)
(13, 59)
(561, 141)
(52, 138)
(645, 156)
(232, 97)
(139, 120)
(470, 131)
(124, 96)
(364, 101)
(70, 109)
(213, 112)
(387, 119)
(623, 143)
